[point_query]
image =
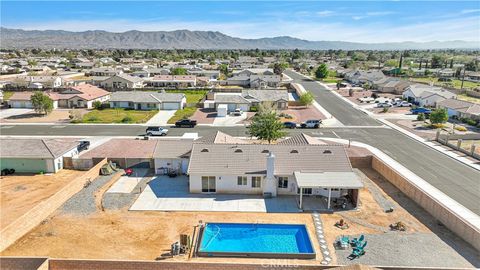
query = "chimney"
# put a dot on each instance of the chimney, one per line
(270, 165)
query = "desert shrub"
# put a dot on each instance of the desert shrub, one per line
(127, 119)
(460, 128)
(421, 117)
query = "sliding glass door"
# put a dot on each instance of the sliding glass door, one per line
(208, 184)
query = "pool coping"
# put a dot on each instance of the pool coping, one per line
(254, 254)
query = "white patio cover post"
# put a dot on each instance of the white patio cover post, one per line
(329, 197)
(301, 195)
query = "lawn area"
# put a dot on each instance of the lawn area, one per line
(181, 114)
(118, 116)
(7, 95)
(455, 83)
(193, 96)
(468, 98)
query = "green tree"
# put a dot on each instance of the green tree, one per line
(224, 69)
(41, 103)
(321, 72)
(306, 99)
(278, 68)
(179, 71)
(266, 126)
(439, 116)
(97, 105)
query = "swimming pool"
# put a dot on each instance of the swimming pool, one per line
(256, 240)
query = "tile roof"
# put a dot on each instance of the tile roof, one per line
(300, 139)
(266, 95)
(234, 159)
(88, 92)
(122, 148)
(221, 138)
(36, 148)
(172, 148)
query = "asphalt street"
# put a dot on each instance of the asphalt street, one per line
(459, 181)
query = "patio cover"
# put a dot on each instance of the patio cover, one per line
(344, 180)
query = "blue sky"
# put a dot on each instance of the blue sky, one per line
(373, 21)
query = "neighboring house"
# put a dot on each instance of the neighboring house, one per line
(37, 82)
(472, 76)
(393, 86)
(446, 73)
(36, 155)
(255, 81)
(460, 108)
(22, 100)
(172, 155)
(123, 80)
(248, 98)
(81, 96)
(105, 72)
(142, 100)
(274, 169)
(425, 95)
(211, 74)
(362, 76)
(172, 81)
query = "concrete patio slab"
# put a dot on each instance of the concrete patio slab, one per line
(171, 194)
(126, 184)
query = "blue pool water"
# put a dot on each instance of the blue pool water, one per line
(255, 238)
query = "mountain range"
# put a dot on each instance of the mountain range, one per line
(185, 39)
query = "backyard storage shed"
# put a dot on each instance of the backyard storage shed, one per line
(36, 155)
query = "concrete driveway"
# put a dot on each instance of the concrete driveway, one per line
(5, 113)
(126, 184)
(229, 120)
(171, 194)
(161, 118)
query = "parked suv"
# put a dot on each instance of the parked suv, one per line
(83, 146)
(186, 123)
(311, 124)
(156, 131)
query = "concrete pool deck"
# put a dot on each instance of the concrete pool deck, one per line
(171, 194)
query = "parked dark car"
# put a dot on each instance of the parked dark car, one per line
(7, 171)
(186, 123)
(420, 110)
(84, 145)
(290, 125)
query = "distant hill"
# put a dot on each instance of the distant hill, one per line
(185, 39)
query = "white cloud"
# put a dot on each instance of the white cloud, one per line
(468, 11)
(466, 28)
(325, 13)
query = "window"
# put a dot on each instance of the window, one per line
(306, 191)
(242, 180)
(256, 181)
(283, 182)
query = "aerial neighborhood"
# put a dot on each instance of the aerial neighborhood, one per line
(198, 150)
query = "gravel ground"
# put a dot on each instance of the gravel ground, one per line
(83, 203)
(384, 202)
(120, 200)
(401, 249)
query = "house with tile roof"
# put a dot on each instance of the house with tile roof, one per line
(425, 95)
(36, 155)
(122, 81)
(146, 100)
(248, 98)
(461, 108)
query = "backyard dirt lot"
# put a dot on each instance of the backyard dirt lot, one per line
(19, 193)
(88, 232)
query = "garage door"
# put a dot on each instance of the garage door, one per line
(171, 106)
(24, 165)
(232, 107)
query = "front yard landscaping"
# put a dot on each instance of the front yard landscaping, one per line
(7, 95)
(182, 114)
(124, 116)
(193, 96)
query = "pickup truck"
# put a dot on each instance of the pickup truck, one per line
(420, 110)
(311, 124)
(186, 123)
(156, 131)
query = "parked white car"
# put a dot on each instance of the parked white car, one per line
(384, 105)
(366, 99)
(156, 131)
(403, 104)
(383, 100)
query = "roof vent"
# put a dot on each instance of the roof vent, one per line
(265, 151)
(294, 151)
(327, 151)
(238, 150)
(204, 150)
